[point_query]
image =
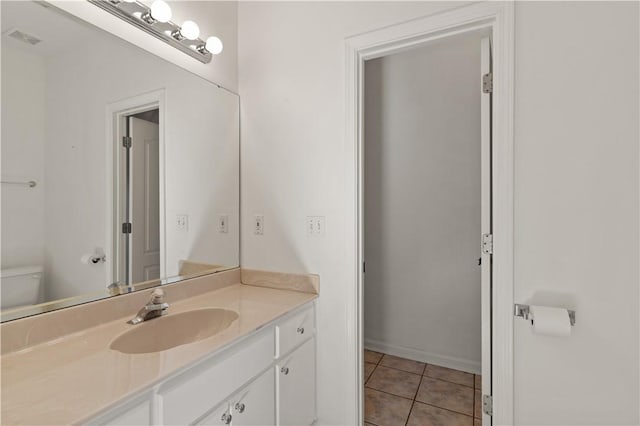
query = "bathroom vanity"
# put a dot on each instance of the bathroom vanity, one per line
(259, 370)
(266, 378)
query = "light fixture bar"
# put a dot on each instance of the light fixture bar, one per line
(132, 12)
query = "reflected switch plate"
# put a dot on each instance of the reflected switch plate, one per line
(223, 224)
(258, 224)
(182, 222)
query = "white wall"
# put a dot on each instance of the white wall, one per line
(202, 160)
(576, 170)
(422, 203)
(23, 123)
(291, 64)
(576, 218)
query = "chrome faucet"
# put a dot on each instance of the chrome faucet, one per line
(153, 309)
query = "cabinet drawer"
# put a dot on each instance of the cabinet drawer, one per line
(132, 413)
(294, 330)
(192, 394)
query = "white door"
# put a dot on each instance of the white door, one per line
(145, 200)
(486, 229)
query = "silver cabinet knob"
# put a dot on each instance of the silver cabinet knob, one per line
(239, 407)
(284, 370)
(226, 418)
(300, 330)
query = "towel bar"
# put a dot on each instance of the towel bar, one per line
(29, 183)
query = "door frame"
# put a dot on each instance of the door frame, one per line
(499, 17)
(116, 115)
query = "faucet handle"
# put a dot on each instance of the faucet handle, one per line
(157, 295)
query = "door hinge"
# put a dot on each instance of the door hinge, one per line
(126, 228)
(364, 269)
(487, 243)
(487, 405)
(487, 83)
(126, 141)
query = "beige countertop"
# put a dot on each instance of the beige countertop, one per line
(74, 377)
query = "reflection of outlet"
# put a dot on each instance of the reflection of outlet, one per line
(223, 224)
(315, 226)
(182, 222)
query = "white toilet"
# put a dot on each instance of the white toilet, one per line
(20, 286)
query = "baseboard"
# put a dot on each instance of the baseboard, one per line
(469, 366)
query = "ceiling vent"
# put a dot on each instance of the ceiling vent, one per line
(27, 38)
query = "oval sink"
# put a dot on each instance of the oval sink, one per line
(169, 331)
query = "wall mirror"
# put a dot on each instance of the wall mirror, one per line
(120, 170)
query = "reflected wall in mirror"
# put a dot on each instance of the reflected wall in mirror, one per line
(135, 163)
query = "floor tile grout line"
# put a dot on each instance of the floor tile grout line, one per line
(473, 406)
(398, 369)
(406, 423)
(370, 374)
(446, 409)
(448, 381)
(389, 393)
(413, 404)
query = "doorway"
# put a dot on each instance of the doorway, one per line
(427, 204)
(140, 198)
(135, 188)
(498, 17)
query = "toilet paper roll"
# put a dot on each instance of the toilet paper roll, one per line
(550, 321)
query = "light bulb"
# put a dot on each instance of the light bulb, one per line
(214, 45)
(160, 11)
(189, 30)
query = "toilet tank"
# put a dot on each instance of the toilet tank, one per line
(20, 286)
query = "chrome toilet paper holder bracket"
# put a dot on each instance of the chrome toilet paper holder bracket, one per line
(522, 311)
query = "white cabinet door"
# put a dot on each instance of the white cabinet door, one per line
(255, 405)
(221, 415)
(296, 386)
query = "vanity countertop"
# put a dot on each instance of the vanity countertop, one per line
(70, 379)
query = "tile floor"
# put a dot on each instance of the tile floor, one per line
(402, 392)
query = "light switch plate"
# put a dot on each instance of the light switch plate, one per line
(315, 226)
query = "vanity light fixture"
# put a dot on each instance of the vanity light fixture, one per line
(189, 30)
(156, 20)
(214, 45)
(159, 12)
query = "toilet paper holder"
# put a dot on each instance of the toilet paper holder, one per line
(523, 311)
